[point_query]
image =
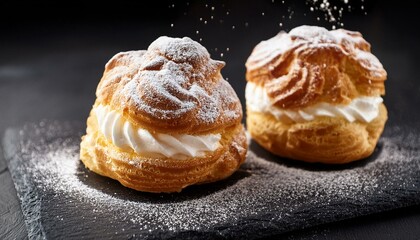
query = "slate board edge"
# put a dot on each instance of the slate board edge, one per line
(31, 213)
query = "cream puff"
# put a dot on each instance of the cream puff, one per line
(315, 95)
(164, 119)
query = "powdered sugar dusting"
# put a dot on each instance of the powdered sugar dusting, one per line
(266, 196)
(351, 44)
(175, 78)
(314, 34)
(180, 50)
(267, 50)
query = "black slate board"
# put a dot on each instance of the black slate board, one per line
(267, 196)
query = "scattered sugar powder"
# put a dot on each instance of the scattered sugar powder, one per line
(305, 37)
(267, 195)
(173, 78)
(333, 10)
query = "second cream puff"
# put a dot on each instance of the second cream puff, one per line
(315, 95)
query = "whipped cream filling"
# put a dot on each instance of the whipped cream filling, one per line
(363, 109)
(125, 135)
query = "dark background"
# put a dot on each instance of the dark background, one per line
(52, 56)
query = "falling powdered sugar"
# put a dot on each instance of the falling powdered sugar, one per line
(333, 10)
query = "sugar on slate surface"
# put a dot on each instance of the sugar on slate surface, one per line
(285, 194)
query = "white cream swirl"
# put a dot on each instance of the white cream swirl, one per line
(125, 135)
(363, 109)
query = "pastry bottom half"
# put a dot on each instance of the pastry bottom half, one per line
(324, 139)
(161, 174)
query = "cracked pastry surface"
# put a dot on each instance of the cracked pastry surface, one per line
(164, 119)
(315, 95)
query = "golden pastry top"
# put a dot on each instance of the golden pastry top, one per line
(310, 64)
(173, 86)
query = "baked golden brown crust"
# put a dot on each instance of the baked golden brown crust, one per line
(325, 139)
(162, 174)
(173, 88)
(311, 65)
